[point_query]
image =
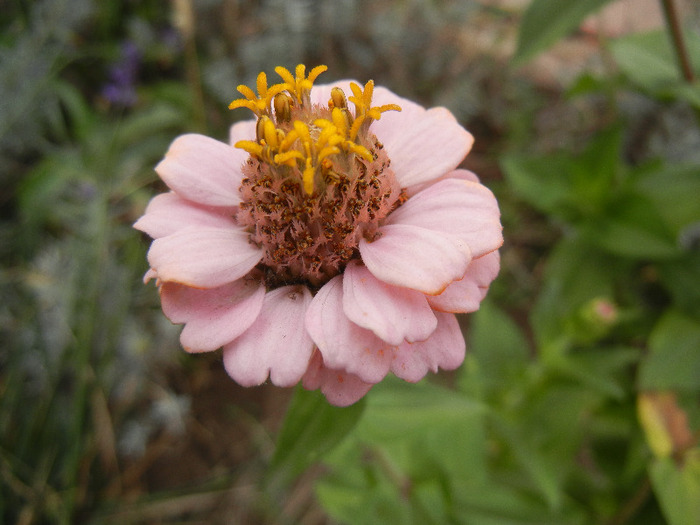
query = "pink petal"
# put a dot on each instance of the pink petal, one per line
(466, 294)
(212, 317)
(343, 344)
(455, 174)
(168, 213)
(422, 144)
(276, 343)
(392, 313)
(415, 257)
(340, 388)
(464, 209)
(150, 274)
(203, 170)
(444, 349)
(203, 257)
(243, 130)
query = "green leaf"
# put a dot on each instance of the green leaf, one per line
(428, 499)
(542, 182)
(688, 92)
(649, 61)
(311, 428)
(358, 497)
(674, 355)
(673, 189)
(499, 348)
(415, 442)
(544, 473)
(444, 426)
(573, 188)
(632, 227)
(598, 369)
(498, 504)
(576, 273)
(546, 21)
(681, 278)
(678, 488)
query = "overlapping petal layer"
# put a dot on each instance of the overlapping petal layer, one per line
(466, 210)
(168, 213)
(393, 314)
(277, 343)
(203, 170)
(215, 316)
(444, 349)
(340, 388)
(465, 295)
(414, 257)
(343, 344)
(203, 257)
(423, 144)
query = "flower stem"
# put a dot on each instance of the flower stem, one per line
(674, 27)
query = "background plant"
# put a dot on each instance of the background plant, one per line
(578, 401)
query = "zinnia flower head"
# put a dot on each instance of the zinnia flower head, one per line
(331, 245)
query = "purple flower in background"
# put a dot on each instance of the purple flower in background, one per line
(120, 90)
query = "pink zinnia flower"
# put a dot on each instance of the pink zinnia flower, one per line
(331, 245)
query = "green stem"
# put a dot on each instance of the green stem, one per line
(674, 27)
(87, 313)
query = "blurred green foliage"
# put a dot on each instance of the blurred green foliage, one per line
(546, 21)
(557, 424)
(578, 400)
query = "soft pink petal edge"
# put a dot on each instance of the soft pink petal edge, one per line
(168, 213)
(413, 257)
(444, 349)
(393, 314)
(343, 344)
(423, 144)
(203, 170)
(465, 295)
(243, 130)
(215, 316)
(203, 257)
(456, 207)
(340, 387)
(276, 344)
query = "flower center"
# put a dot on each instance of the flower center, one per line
(317, 180)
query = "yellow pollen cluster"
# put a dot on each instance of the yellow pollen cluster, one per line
(296, 138)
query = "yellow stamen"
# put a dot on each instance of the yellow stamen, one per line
(360, 150)
(302, 130)
(338, 99)
(308, 177)
(288, 158)
(342, 119)
(247, 92)
(301, 85)
(307, 145)
(270, 133)
(250, 146)
(283, 107)
(259, 104)
(327, 152)
(354, 130)
(363, 102)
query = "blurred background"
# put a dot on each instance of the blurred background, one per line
(579, 399)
